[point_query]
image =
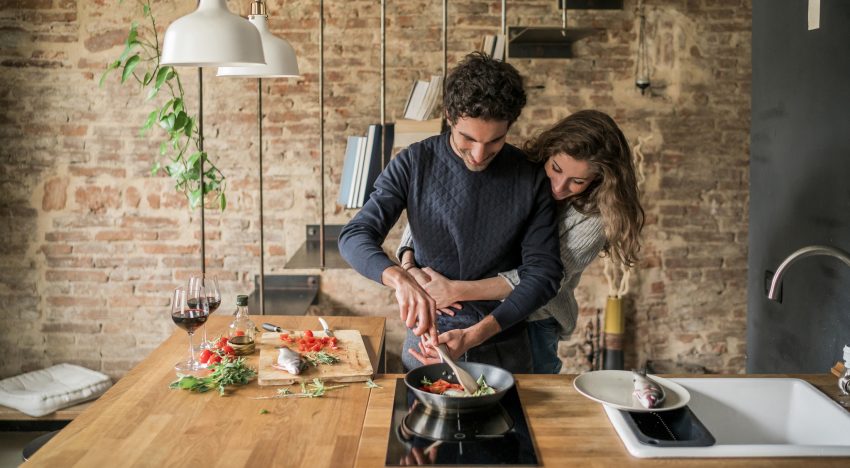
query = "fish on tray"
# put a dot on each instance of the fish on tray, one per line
(288, 360)
(647, 393)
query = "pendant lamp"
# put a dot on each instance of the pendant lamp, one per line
(211, 36)
(280, 56)
(280, 63)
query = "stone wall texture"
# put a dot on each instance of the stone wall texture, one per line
(91, 244)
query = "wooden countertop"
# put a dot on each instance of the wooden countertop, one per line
(141, 422)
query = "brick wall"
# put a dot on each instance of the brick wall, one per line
(91, 244)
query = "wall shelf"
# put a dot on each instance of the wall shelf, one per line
(310, 253)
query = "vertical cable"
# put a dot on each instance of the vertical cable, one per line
(322, 132)
(445, 41)
(383, 81)
(201, 167)
(262, 248)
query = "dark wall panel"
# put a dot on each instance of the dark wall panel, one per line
(799, 185)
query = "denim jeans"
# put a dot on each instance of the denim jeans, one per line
(543, 335)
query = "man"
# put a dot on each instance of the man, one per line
(478, 207)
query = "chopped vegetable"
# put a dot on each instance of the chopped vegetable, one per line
(442, 386)
(264, 411)
(371, 384)
(225, 373)
(321, 357)
(315, 389)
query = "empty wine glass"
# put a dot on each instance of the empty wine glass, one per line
(210, 284)
(189, 311)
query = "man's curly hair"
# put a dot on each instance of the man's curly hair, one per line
(480, 87)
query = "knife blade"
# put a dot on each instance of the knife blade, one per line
(325, 326)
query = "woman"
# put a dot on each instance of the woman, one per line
(589, 164)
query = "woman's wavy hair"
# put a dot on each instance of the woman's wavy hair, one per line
(481, 87)
(593, 136)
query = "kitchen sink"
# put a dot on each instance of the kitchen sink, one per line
(754, 417)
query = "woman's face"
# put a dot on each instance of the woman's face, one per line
(568, 176)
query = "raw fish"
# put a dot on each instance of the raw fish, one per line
(289, 360)
(648, 393)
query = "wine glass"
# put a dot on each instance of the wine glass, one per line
(189, 311)
(213, 299)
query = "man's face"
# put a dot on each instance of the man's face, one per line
(477, 141)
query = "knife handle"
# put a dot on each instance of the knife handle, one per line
(272, 328)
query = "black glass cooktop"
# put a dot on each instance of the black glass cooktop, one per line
(496, 436)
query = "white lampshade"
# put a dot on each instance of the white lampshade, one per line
(211, 36)
(280, 56)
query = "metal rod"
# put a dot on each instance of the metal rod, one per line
(445, 41)
(505, 18)
(383, 81)
(564, 14)
(201, 167)
(262, 249)
(322, 132)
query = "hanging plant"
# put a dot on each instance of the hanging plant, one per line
(179, 155)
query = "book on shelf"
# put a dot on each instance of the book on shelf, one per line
(414, 100)
(377, 160)
(494, 46)
(423, 98)
(363, 164)
(347, 170)
(408, 132)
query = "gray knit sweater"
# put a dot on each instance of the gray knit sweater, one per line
(581, 237)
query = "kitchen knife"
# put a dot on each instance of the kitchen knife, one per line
(272, 328)
(325, 326)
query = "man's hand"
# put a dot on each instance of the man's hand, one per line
(458, 341)
(416, 308)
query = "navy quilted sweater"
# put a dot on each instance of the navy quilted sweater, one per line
(468, 225)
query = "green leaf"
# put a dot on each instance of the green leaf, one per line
(177, 104)
(179, 121)
(155, 168)
(129, 66)
(164, 74)
(264, 411)
(147, 79)
(190, 125)
(149, 123)
(163, 148)
(111, 66)
(222, 201)
(193, 159)
(175, 169)
(146, 10)
(194, 198)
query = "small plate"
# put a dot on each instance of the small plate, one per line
(614, 388)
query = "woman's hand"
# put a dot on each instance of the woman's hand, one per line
(442, 290)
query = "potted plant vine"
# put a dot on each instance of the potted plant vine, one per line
(179, 155)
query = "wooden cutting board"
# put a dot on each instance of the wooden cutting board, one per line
(354, 365)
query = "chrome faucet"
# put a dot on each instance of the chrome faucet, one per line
(810, 251)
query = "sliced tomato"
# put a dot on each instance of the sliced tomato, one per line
(308, 333)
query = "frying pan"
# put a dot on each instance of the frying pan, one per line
(496, 377)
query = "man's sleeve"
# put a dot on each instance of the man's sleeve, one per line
(541, 270)
(361, 238)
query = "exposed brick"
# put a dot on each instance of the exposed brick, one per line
(55, 194)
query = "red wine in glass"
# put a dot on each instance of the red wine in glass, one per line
(212, 301)
(190, 319)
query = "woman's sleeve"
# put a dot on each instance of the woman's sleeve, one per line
(405, 244)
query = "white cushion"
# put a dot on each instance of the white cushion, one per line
(44, 391)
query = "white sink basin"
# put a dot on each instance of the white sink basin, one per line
(755, 417)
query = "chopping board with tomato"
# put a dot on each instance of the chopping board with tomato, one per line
(353, 366)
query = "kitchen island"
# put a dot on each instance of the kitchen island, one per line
(141, 422)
